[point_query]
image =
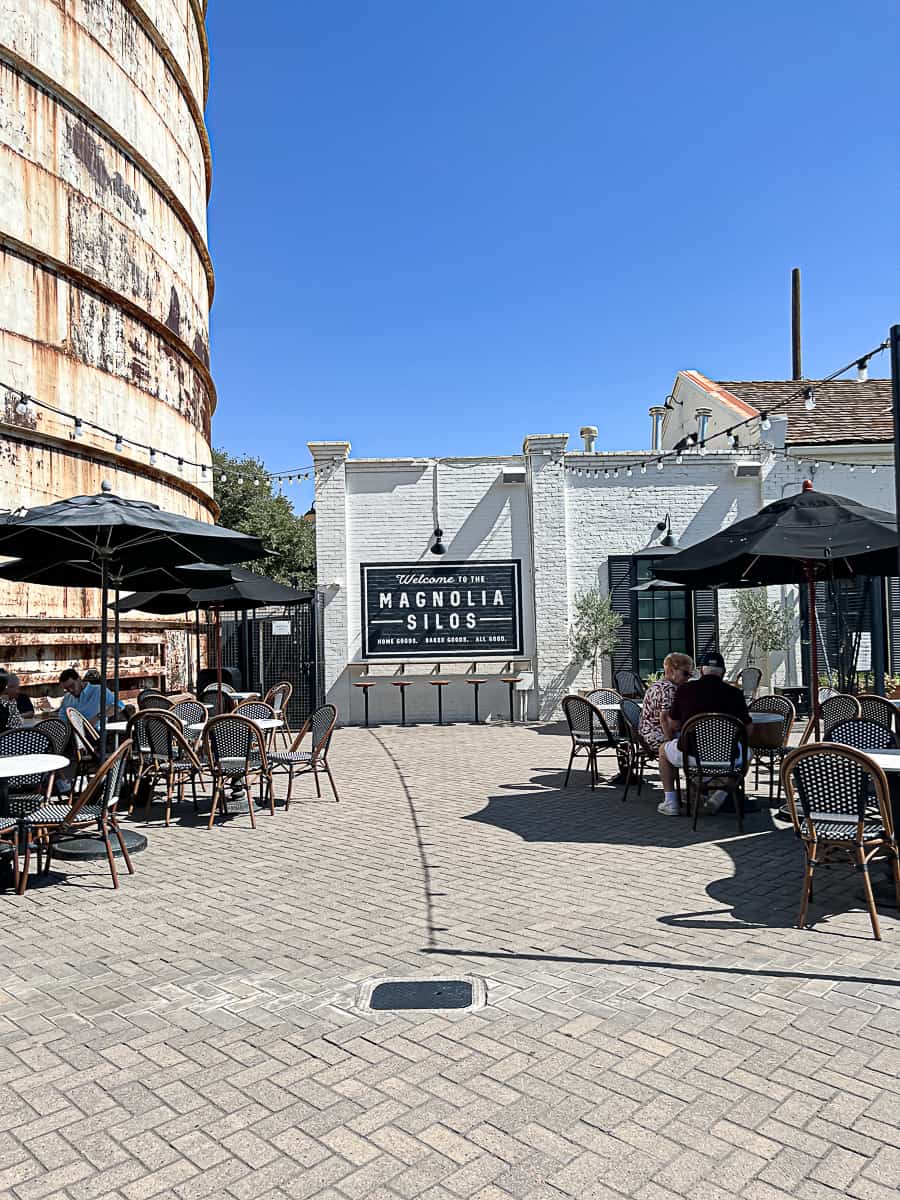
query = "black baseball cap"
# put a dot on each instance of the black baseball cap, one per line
(713, 660)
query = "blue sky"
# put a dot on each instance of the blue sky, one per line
(440, 225)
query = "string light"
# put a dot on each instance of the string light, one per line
(152, 457)
(22, 406)
(643, 468)
(679, 458)
(120, 445)
(180, 466)
(862, 370)
(809, 399)
(659, 465)
(629, 471)
(765, 423)
(79, 427)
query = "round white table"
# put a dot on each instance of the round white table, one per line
(263, 723)
(31, 764)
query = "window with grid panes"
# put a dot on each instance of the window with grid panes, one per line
(661, 623)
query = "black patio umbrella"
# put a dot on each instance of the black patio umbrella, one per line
(799, 539)
(244, 590)
(108, 535)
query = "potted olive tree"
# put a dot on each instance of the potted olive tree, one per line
(593, 632)
(760, 627)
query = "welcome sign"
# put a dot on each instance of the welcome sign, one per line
(441, 610)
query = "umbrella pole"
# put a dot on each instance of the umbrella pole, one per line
(117, 630)
(197, 644)
(813, 650)
(104, 655)
(219, 651)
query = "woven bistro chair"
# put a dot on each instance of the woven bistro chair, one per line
(25, 793)
(716, 757)
(148, 743)
(96, 804)
(87, 744)
(876, 708)
(604, 696)
(235, 748)
(590, 734)
(175, 762)
(771, 757)
(258, 710)
(9, 836)
(279, 696)
(748, 680)
(630, 684)
(840, 806)
(638, 752)
(863, 735)
(320, 727)
(58, 731)
(190, 712)
(839, 707)
(154, 700)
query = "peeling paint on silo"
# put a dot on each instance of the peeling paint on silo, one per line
(106, 277)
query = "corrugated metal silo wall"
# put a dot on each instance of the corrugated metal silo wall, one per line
(105, 281)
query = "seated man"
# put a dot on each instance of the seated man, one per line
(85, 697)
(708, 694)
(16, 696)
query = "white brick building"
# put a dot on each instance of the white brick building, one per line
(573, 519)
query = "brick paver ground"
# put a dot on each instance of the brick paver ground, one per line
(655, 1027)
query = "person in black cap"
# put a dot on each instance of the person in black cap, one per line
(708, 694)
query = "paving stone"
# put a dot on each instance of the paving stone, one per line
(656, 1027)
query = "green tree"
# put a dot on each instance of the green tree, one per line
(249, 505)
(593, 632)
(758, 624)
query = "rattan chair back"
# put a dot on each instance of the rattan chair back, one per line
(876, 708)
(168, 741)
(87, 739)
(828, 785)
(106, 783)
(234, 744)
(862, 735)
(58, 731)
(629, 683)
(255, 710)
(604, 697)
(154, 700)
(24, 741)
(321, 727)
(278, 696)
(836, 708)
(716, 742)
(782, 707)
(190, 712)
(586, 722)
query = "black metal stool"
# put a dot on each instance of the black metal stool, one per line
(365, 684)
(476, 683)
(402, 684)
(440, 684)
(512, 680)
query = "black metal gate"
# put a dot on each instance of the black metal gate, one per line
(273, 645)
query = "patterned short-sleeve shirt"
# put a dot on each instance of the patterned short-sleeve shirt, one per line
(658, 700)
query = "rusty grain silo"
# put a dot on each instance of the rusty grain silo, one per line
(106, 281)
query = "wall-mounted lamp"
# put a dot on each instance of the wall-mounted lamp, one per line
(438, 547)
(668, 539)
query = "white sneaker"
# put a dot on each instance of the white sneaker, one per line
(668, 808)
(715, 800)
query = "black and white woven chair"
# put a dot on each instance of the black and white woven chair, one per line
(638, 752)
(839, 707)
(173, 761)
(716, 757)
(878, 709)
(278, 696)
(590, 734)
(862, 734)
(235, 749)
(771, 757)
(629, 683)
(190, 712)
(604, 697)
(840, 806)
(58, 731)
(217, 702)
(52, 824)
(154, 700)
(320, 727)
(87, 744)
(25, 793)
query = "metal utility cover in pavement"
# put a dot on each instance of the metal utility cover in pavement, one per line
(391, 995)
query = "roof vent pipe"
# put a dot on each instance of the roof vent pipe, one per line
(589, 433)
(657, 412)
(703, 415)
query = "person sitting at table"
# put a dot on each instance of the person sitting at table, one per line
(677, 669)
(708, 694)
(13, 692)
(85, 697)
(10, 717)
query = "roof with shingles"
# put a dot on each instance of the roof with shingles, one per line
(846, 410)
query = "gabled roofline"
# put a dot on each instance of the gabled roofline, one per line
(719, 393)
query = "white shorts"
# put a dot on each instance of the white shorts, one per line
(674, 755)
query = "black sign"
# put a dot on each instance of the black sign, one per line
(441, 610)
